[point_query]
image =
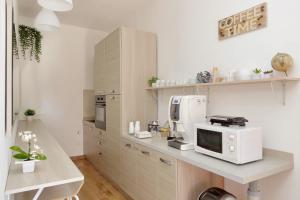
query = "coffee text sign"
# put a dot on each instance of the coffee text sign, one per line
(243, 22)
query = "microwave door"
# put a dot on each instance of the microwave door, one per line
(210, 140)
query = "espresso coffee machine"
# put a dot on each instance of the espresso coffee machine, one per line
(184, 112)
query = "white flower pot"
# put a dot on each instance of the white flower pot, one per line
(269, 75)
(256, 76)
(29, 118)
(27, 166)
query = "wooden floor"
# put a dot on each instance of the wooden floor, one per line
(96, 187)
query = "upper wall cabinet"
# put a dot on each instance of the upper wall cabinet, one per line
(107, 65)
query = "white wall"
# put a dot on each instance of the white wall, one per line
(188, 43)
(54, 87)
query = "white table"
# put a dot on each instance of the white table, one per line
(55, 178)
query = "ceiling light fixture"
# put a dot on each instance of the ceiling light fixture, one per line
(46, 20)
(56, 5)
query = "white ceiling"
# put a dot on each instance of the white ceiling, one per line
(102, 15)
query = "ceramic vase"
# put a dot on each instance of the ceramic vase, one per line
(267, 76)
(256, 76)
(28, 166)
(29, 118)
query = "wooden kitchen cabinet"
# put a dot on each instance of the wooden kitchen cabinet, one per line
(100, 69)
(107, 64)
(113, 116)
(146, 174)
(91, 140)
(113, 125)
(128, 171)
(166, 181)
(124, 62)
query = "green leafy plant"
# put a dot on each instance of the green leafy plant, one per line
(257, 71)
(29, 112)
(35, 153)
(30, 40)
(268, 71)
(152, 80)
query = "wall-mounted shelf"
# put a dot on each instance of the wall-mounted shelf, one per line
(240, 82)
(281, 80)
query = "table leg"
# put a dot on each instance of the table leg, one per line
(38, 193)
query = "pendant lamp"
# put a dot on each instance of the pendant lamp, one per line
(46, 20)
(56, 5)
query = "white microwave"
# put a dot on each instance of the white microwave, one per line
(238, 145)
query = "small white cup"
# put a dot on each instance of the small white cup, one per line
(137, 126)
(131, 128)
(158, 83)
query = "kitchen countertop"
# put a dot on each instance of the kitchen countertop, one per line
(273, 162)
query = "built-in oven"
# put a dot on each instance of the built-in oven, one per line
(100, 104)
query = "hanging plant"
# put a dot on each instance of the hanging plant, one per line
(30, 40)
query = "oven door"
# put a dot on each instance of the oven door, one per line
(209, 142)
(100, 121)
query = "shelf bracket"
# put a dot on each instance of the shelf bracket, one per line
(282, 98)
(208, 94)
(283, 85)
(38, 193)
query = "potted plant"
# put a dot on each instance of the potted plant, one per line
(32, 155)
(29, 113)
(268, 74)
(256, 74)
(152, 81)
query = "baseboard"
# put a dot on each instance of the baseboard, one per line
(76, 158)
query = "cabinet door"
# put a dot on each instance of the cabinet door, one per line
(128, 174)
(112, 146)
(111, 158)
(112, 61)
(146, 174)
(91, 145)
(113, 116)
(100, 69)
(166, 177)
(100, 141)
(86, 140)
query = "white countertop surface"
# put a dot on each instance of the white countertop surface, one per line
(58, 169)
(273, 162)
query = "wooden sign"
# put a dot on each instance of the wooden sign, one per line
(243, 22)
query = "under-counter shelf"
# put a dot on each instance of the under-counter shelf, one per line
(240, 82)
(274, 162)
